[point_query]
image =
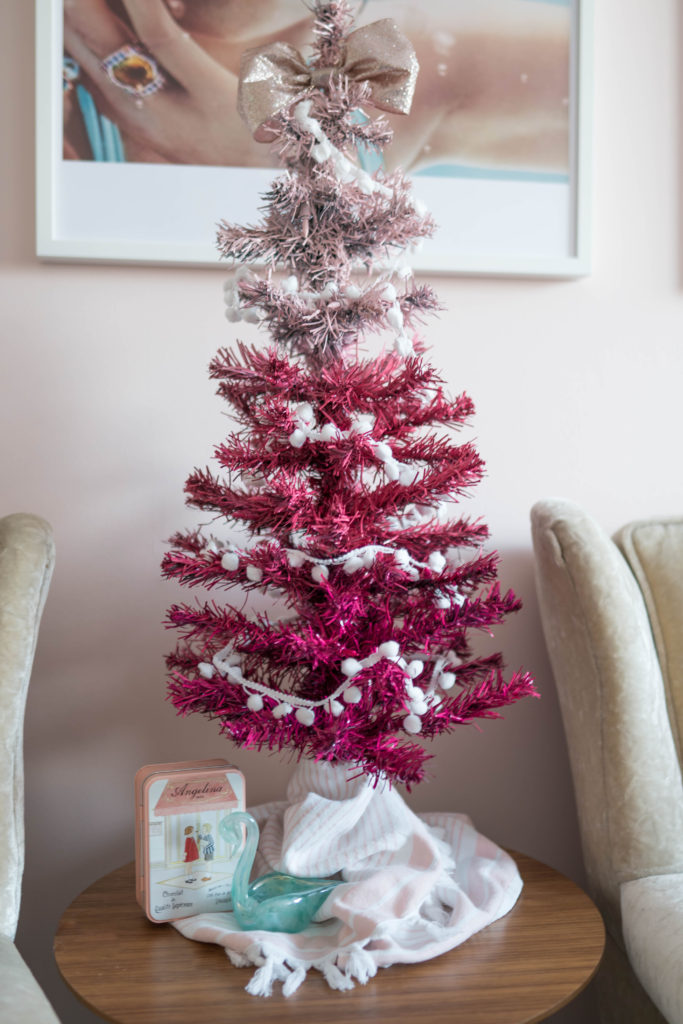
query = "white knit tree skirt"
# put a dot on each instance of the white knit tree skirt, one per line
(417, 885)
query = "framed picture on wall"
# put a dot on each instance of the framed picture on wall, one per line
(141, 151)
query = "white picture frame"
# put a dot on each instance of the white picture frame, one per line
(166, 214)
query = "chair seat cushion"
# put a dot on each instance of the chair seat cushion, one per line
(652, 920)
(21, 998)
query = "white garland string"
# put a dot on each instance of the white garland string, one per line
(226, 662)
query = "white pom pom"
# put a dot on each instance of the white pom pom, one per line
(320, 573)
(415, 668)
(351, 667)
(328, 432)
(254, 573)
(412, 724)
(389, 293)
(290, 284)
(205, 670)
(404, 345)
(251, 315)
(353, 564)
(352, 695)
(408, 475)
(295, 559)
(437, 563)
(442, 602)
(362, 424)
(297, 438)
(282, 710)
(395, 318)
(255, 702)
(418, 707)
(447, 680)
(304, 412)
(415, 692)
(365, 182)
(402, 558)
(336, 708)
(305, 715)
(391, 469)
(383, 452)
(230, 561)
(389, 649)
(368, 558)
(232, 314)
(321, 151)
(302, 110)
(342, 166)
(353, 292)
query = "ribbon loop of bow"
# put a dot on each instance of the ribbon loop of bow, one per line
(273, 77)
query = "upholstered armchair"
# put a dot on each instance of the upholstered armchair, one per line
(612, 613)
(26, 562)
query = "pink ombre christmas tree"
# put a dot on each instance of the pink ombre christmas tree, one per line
(343, 471)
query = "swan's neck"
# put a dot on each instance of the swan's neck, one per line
(240, 881)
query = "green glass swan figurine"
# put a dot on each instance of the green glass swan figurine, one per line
(275, 902)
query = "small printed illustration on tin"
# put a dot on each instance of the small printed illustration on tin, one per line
(190, 865)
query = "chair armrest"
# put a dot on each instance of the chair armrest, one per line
(652, 923)
(21, 997)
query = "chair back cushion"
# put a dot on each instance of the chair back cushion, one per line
(654, 551)
(625, 767)
(26, 561)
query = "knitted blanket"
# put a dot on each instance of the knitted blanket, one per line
(415, 885)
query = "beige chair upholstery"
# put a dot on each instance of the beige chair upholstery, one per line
(612, 613)
(26, 563)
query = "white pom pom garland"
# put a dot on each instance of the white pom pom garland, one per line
(420, 700)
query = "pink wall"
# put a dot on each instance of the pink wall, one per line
(106, 407)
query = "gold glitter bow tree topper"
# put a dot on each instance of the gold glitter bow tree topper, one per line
(275, 76)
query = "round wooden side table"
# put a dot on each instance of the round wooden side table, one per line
(518, 970)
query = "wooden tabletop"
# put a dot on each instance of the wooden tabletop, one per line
(516, 971)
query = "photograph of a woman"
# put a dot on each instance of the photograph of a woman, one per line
(155, 81)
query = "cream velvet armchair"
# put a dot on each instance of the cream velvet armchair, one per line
(26, 562)
(612, 613)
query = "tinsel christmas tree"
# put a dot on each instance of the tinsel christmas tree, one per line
(343, 470)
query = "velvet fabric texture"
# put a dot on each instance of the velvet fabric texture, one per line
(26, 563)
(612, 613)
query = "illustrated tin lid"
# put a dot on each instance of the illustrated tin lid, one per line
(203, 791)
